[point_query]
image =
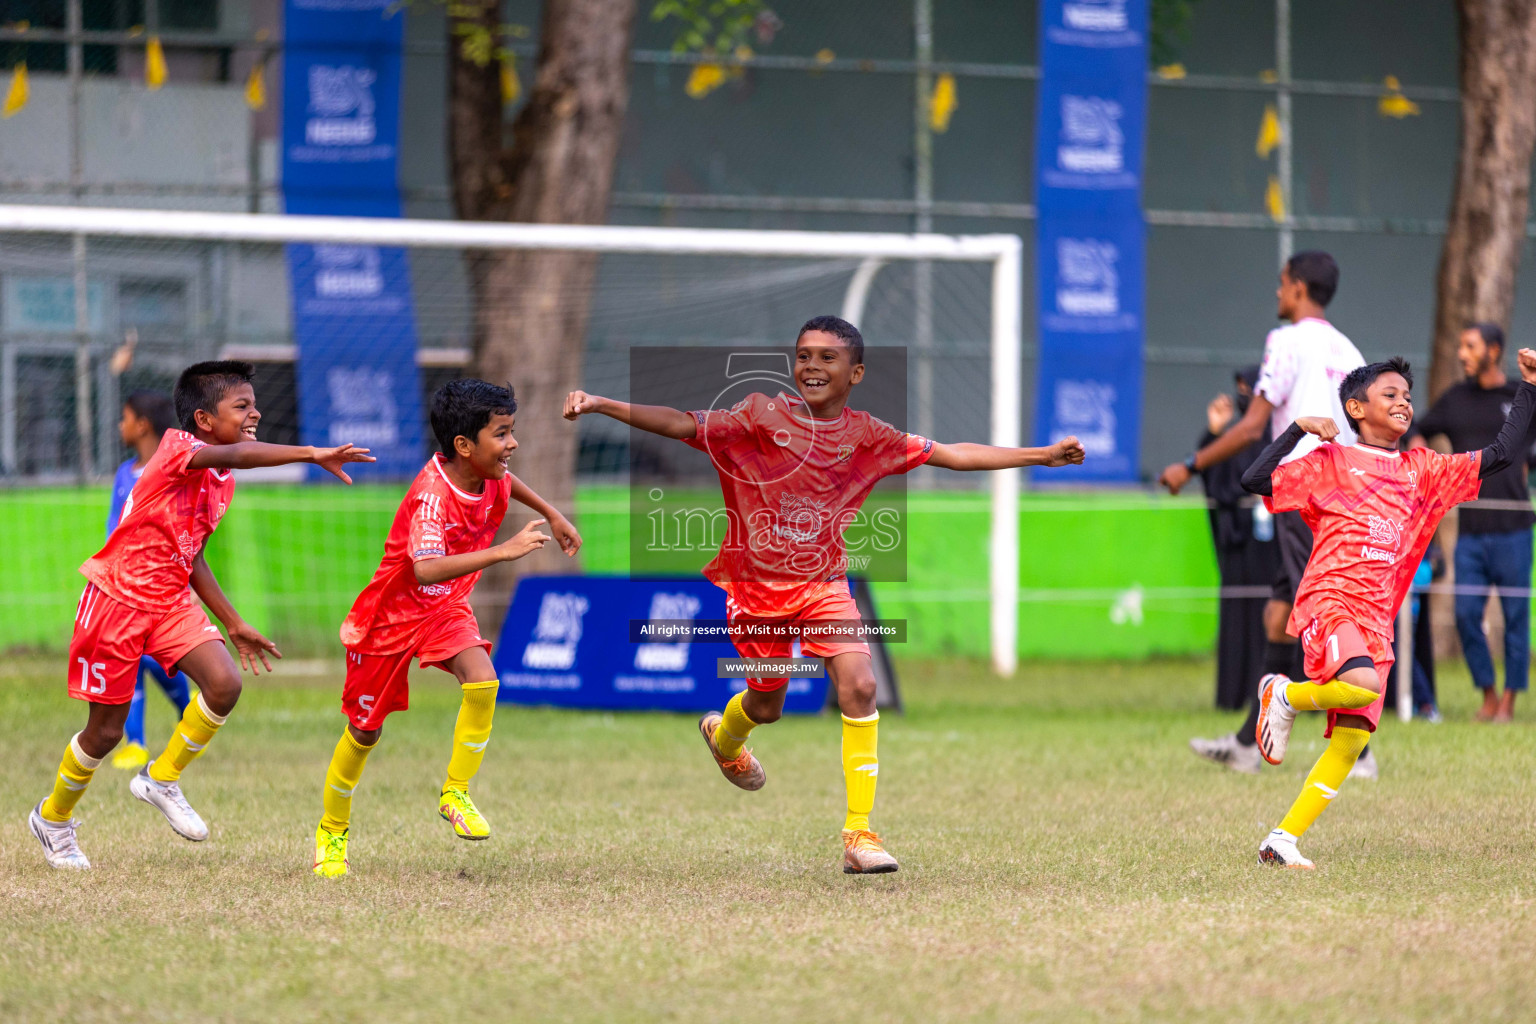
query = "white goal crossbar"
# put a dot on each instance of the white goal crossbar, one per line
(1003, 252)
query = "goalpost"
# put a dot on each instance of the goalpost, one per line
(856, 257)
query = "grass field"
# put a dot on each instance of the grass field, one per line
(1063, 858)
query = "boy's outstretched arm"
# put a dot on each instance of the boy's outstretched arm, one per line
(451, 567)
(564, 533)
(967, 456)
(246, 638)
(658, 419)
(256, 454)
(1510, 444)
(1257, 478)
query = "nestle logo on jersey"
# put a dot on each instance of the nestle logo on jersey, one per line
(1371, 554)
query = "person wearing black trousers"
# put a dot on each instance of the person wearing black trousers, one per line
(1246, 553)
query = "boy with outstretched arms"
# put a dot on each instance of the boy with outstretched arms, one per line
(1373, 510)
(796, 453)
(417, 605)
(147, 417)
(138, 602)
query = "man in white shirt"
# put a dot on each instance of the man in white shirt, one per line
(1304, 362)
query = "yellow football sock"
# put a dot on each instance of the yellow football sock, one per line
(188, 740)
(75, 773)
(1332, 696)
(1325, 778)
(860, 767)
(471, 733)
(340, 779)
(734, 728)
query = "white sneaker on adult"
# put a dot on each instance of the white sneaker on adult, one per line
(1275, 718)
(1365, 767)
(1279, 850)
(61, 847)
(1228, 752)
(166, 796)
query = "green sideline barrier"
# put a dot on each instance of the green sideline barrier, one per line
(1103, 575)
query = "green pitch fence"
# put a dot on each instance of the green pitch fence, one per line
(1103, 576)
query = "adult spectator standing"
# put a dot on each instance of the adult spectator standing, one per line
(1246, 553)
(1305, 360)
(1493, 545)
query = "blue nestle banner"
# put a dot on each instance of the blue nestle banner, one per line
(566, 641)
(1091, 239)
(354, 319)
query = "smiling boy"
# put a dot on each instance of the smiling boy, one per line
(801, 452)
(138, 602)
(417, 605)
(1373, 510)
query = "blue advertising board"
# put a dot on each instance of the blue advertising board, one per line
(1091, 237)
(567, 641)
(354, 320)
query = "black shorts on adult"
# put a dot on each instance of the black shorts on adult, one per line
(1295, 548)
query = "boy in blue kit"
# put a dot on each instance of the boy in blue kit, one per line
(147, 415)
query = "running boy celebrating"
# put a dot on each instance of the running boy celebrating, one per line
(137, 602)
(1373, 510)
(805, 463)
(417, 605)
(147, 417)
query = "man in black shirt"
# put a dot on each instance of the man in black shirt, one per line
(1493, 546)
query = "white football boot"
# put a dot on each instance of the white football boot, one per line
(1279, 850)
(1226, 751)
(1275, 718)
(61, 847)
(166, 796)
(1365, 767)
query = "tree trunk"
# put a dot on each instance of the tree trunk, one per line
(530, 313)
(1481, 255)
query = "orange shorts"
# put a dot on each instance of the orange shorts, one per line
(111, 636)
(840, 607)
(1326, 645)
(379, 684)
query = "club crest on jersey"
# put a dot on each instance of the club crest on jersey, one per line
(844, 452)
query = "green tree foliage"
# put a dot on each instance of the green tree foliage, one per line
(1170, 29)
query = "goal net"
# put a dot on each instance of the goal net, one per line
(356, 321)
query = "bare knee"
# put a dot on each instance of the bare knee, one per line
(98, 739)
(365, 737)
(221, 689)
(856, 696)
(763, 708)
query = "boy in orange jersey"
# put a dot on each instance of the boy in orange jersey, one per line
(417, 605)
(1373, 510)
(137, 602)
(803, 452)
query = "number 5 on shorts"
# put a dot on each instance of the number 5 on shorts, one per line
(93, 670)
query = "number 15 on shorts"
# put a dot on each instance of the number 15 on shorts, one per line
(92, 670)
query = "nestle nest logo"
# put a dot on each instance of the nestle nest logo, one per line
(1096, 16)
(1092, 141)
(341, 102)
(1087, 283)
(348, 272)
